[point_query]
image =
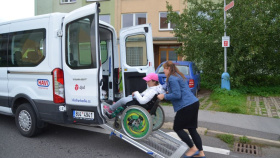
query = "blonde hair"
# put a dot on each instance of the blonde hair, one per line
(173, 70)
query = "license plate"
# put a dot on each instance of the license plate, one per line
(83, 115)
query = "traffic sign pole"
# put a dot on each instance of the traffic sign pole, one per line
(225, 83)
(225, 34)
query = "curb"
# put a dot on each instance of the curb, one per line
(206, 132)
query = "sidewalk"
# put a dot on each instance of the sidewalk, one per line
(263, 130)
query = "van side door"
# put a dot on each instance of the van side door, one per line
(137, 57)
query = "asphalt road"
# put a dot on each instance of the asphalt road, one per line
(62, 142)
(59, 142)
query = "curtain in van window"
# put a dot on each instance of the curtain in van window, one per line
(136, 50)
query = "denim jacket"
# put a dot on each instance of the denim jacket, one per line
(179, 92)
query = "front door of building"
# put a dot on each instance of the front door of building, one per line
(167, 53)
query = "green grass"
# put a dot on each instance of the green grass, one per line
(227, 138)
(244, 140)
(228, 101)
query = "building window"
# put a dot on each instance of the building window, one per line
(105, 18)
(167, 53)
(163, 23)
(134, 19)
(68, 1)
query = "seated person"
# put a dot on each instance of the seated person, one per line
(153, 88)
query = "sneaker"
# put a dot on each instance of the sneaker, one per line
(107, 109)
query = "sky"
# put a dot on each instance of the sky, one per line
(16, 9)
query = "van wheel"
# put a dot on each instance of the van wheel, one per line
(26, 120)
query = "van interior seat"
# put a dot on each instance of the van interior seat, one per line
(33, 57)
(18, 58)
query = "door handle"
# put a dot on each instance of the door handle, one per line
(8, 71)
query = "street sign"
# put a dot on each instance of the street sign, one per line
(230, 5)
(225, 41)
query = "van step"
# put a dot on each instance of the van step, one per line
(158, 144)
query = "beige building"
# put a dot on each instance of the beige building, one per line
(135, 12)
(125, 13)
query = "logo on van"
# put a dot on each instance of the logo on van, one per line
(43, 82)
(77, 87)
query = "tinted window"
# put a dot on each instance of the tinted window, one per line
(182, 68)
(3, 50)
(28, 48)
(78, 45)
(136, 50)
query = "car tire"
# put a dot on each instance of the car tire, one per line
(196, 92)
(26, 120)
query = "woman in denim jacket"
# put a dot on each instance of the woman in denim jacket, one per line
(186, 106)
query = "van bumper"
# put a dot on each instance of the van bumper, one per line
(49, 112)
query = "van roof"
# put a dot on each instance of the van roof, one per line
(31, 18)
(43, 16)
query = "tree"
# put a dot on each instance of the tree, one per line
(253, 27)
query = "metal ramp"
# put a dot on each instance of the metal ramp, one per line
(158, 144)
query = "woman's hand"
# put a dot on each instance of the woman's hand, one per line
(160, 96)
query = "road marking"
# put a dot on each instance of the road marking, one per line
(205, 148)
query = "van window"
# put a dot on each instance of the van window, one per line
(78, 44)
(104, 51)
(28, 48)
(136, 50)
(3, 50)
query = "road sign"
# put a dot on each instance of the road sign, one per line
(230, 5)
(225, 41)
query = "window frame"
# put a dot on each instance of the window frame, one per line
(68, 2)
(168, 24)
(133, 19)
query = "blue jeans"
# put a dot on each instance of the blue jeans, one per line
(121, 102)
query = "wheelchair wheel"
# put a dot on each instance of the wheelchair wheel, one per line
(158, 118)
(136, 122)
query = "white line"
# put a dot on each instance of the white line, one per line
(205, 148)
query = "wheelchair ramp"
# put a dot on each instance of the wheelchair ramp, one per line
(158, 144)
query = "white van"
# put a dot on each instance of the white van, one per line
(54, 68)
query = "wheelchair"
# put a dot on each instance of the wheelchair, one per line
(138, 121)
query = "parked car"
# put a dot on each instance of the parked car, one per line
(190, 71)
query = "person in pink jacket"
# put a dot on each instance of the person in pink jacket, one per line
(153, 88)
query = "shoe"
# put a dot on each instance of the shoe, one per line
(108, 115)
(196, 153)
(107, 109)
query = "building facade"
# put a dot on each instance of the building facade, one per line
(125, 13)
